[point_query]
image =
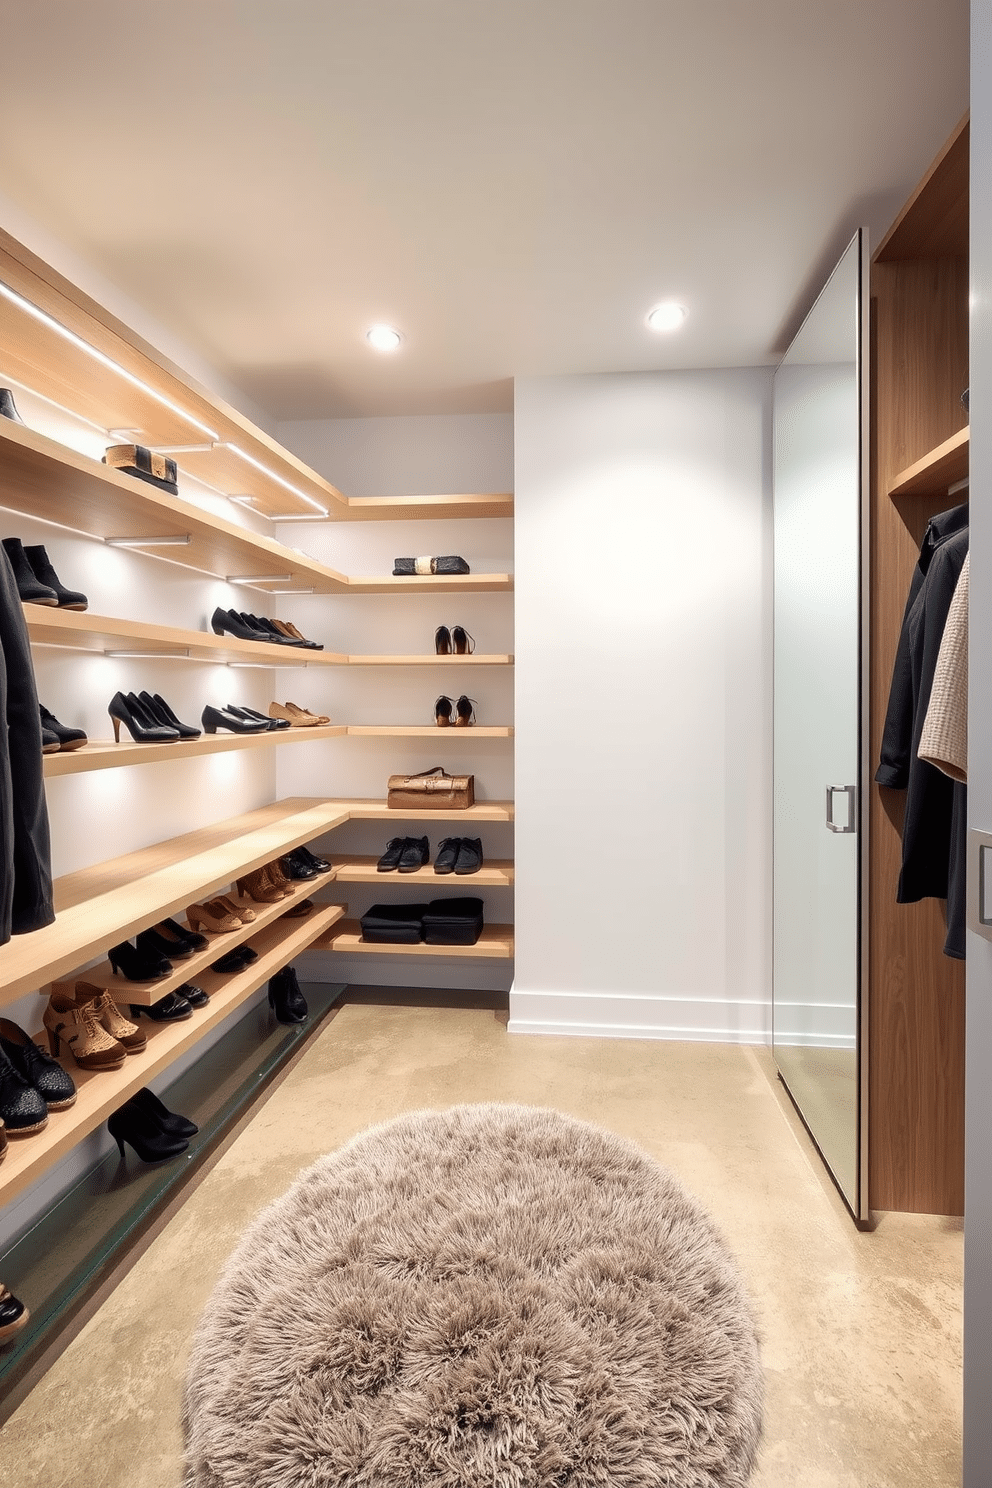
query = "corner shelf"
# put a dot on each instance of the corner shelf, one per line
(429, 731)
(101, 1092)
(495, 943)
(362, 870)
(370, 810)
(938, 469)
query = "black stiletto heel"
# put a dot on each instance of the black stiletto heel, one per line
(138, 965)
(442, 641)
(155, 704)
(442, 711)
(463, 643)
(139, 724)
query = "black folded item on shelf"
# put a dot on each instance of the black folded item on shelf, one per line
(453, 921)
(404, 568)
(394, 924)
(135, 459)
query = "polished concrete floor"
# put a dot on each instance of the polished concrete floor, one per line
(861, 1334)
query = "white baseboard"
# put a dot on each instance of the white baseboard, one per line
(641, 1016)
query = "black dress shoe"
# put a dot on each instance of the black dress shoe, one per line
(13, 1313)
(322, 865)
(180, 934)
(169, 1009)
(229, 622)
(415, 854)
(69, 738)
(22, 1109)
(390, 859)
(140, 724)
(138, 965)
(235, 960)
(469, 855)
(194, 995)
(159, 945)
(270, 723)
(296, 867)
(168, 1121)
(137, 1127)
(285, 997)
(30, 590)
(447, 854)
(215, 718)
(54, 1084)
(49, 741)
(41, 566)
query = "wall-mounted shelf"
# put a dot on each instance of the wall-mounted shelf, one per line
(45, 479)
(938, 469)
(105, 755)
(82, 631)
(475, 660)
(482, 811)
(429, 731)
(410, 508)
(101, 1093)
(495, 942)
(362, 870)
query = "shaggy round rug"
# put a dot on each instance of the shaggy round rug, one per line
(484, 1297)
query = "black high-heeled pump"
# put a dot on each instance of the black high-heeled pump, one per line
(271, 724)
(138, 965)
(465, 712)
(156, 705)
(157, 945)
(139, 724)
(167, 1121)
(442, 711)
(177, 934)
(463, 643)
(442, 641)
(139, 1129)
(231, 623)
(215, 718)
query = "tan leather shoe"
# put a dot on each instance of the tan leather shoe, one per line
(304, 713)
(259, 886)
(213, 916)
(128, 1034)
(240, 911)
(77, 1027)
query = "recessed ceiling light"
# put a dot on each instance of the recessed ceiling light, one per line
(383, 337)
(667, 316)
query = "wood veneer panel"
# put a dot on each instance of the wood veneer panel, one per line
(916, 994)
(100, 1094)
(934, 222)
(942, 467)
(495, 942)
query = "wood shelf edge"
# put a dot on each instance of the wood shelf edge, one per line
(495, 943)
(495, 873)
(105, 755)
(936, 470)
(70, 628)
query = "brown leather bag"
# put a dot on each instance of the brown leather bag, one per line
(432, 790)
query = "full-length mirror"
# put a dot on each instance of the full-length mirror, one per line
(817, 513)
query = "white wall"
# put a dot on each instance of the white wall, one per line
(419, 455)
(978, 1053)
(643, 756)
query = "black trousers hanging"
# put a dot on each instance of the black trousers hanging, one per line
(25, 844)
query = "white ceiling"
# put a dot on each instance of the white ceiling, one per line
(512, 183)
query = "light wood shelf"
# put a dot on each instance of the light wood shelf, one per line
(428, 731)
(98, 907)
(106, 755)
(938, 469)
(101, 1093)
(495, 942)
(476, 660)
(45, 479)
(362, 870)
(82, 631)
(371, 810)
(162, 407)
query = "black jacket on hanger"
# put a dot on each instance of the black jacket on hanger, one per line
(25, 848)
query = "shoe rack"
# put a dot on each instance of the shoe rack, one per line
(61, 346)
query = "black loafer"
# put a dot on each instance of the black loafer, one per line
(322, 865)
(169, 1009)
(194, 995)
(235, 960)
(54, 1084)
(296, 867)
(469, 855)
(447, 855)
(390, 859)
(415, 854)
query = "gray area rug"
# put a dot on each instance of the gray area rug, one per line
(491, 1296)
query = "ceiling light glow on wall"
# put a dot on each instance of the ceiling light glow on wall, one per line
(383, 337)
(667, 316)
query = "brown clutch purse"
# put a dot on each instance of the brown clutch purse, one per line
(432, 790)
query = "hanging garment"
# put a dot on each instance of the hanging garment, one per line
(897, 735)
(25, 848)
(944, 740)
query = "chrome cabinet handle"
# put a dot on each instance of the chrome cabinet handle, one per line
(850, 793)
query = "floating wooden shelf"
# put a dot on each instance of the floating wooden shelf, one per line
(495, 942)
(443, 661)
(160, 406)
(82, 631)
(98, 907)
(938, 469)
(428, 731)
(102, 1093)
(106, 755)
(362, 870)
(482, 811)
(43, 478)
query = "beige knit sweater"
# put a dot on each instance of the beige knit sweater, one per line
(944, 741)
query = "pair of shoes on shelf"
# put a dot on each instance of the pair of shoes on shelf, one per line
(220, 915)
(259, 628)
(37, 582)
(312, 860)
(285, 998)
(463, 709)
(235, 720)
(461, 855)
(31, 1083)
(301, 864)
(87, 1020)
(297, 717)
(13, 1314)
(139, 964)
(147, 1125)
(404, 855)
(58, 737)
(235, 960)
(174, 941)
(148, 719)
(252, 715)
(174, 1007)
(266, 885)
(453, 642)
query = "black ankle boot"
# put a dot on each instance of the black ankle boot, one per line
(28, 586)
(286, 999)
(41, 567)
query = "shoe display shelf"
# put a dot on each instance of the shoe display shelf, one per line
(494, 874)
(60, 344)
(495, 942)
(45, 479)
(106, 755)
